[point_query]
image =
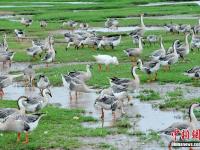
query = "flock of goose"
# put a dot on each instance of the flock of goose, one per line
(26, 118)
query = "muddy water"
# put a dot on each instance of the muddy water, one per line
(153, 116)
(171, 3)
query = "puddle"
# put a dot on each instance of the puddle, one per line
(193, 16)
(171, 3)
(154, 117)
(16, 18)
(104, 30)
(189, 92)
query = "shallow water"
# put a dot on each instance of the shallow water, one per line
(170, 3)
(105, 30)
(155, 118)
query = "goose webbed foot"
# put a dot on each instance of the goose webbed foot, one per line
(18, 137)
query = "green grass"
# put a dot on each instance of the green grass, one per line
(176, 94)
(57, 129)
(147, 95)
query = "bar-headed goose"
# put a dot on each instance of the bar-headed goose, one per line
(43, 82)
(34, 103)
(111, 23)
(149, 68)
(84, 26)
(152, 39)
(21, 123)
(171, 58)
(26, 22)
(43, 24)
(29, 75)
(107, 60)
(160, 52)
(82, 75)
(19, 34)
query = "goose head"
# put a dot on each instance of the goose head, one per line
(89, 66)
(46, 92)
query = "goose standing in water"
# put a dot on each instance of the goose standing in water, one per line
(191, 125)
(34, 103)
(43, 82)
(82, 75)
(5, 81)
(21, 123)
(29, 75)
(184, 49)
(140, 30)
(76, 85)
(107, 60)
(133, 53)
(107, 102)
(171, 58)
(149, 68)
(160, 52)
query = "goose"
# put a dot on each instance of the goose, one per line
(149, 68)
(43, 82)
(76, 85)
(134, 52)
(191, 125)
(21, 123)
(70, 23)
(152, 39)
(170, 59)
(107, 102)
(140, 30)
(159, 53)
(84, 26)
(90, 42)
(184, 49)
(105, 59)
(5, 81)
(26, 22)
(81, 75)
(193, 72)
(34, 103)
(6, 56)
(109, 41)
(29, 75)
(75, 41)
(111, 23)
(43, 24)
(129, 84)
(19, 34)
(50, 56)
(196, 28)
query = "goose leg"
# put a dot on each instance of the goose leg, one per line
(102, 114)
(18, 136)
(76, 93)
(114, 115)
(70, 95)
(26, 139)
(100, 67)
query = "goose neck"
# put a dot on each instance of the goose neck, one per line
(142, 21)
(140, 44)
(192, 116)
